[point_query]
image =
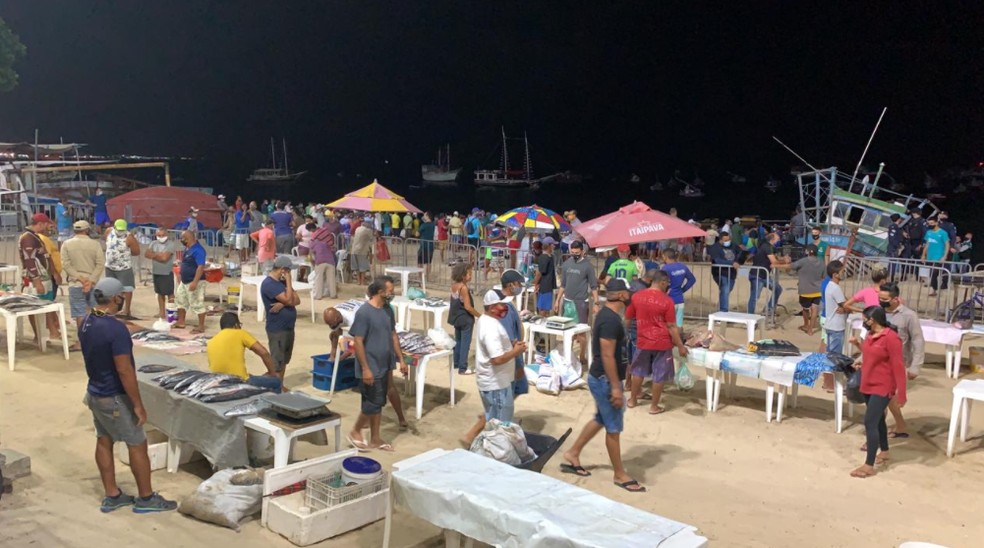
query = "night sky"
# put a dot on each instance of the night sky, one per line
(642, 87)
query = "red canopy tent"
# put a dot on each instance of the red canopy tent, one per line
(635, 223)
(165, 206)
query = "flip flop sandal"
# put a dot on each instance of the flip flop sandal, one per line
(898, 435)
(568, 468)
(362, 446)
(631, 483)
(660, 411)
(386, 447)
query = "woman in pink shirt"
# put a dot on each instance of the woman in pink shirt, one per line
(869, 295)
(266, 245)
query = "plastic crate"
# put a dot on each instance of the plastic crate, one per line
(323, 370)
(326, 491)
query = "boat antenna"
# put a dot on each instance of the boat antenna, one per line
(286, 169)
(870, 139)
(273, 154)
(791, 151)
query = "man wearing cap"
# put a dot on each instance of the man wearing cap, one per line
(161, 253)
(113, 397)
(605, 378)
(84, 263)
(192, 219)
(266, 245)
(474, 228)
(280, 303)
(512, 283)
(190, 295)
(121, 247)
(916, 228)
(623, 267)
(545, 278)
(454, 228)
(39, 269)
(656, 336)
(495, 358)
(578, 283)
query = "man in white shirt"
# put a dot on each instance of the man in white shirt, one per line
(833, 301)
(495, 367)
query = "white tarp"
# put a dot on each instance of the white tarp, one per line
(501, 505)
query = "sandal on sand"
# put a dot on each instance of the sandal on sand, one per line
(859, 473)
(362, 446)
(575, 469)
(385, 447)
(898, 435)
(631, 486)
(657, 411)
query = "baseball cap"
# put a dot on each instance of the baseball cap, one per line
(492, 297)
(109, 287)
(283, 261)
(577, 244)
(549, 241)
(616, 284)
(623, 248)
(40, 218)
(511, 276)
(221, 196)
(120, 224)
(456, 213)
(80, 225)
(475, 210)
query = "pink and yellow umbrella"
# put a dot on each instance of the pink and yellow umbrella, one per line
(374, 197)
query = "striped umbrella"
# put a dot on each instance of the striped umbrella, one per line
(534, 219)
(374, 197)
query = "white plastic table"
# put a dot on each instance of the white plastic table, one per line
(431, 313)
(952, 338)
(257, 281)
(14, 269)
(13, 320)
(421, 373)
(750, 321)
(566, 334)
(453, 490)
(283, 438)
(405, 272)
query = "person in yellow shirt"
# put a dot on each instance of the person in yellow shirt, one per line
(56, 273)
(227, 354)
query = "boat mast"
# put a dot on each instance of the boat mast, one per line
(286, 169)
(529, 168)
(273, 154)
(447, 157)
(505, 155)
(870, 139)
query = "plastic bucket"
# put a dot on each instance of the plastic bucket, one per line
(358, 470)
(259, 446)
(232, 295)
(977, 359)
(171, 311)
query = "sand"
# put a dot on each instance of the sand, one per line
(739, 480)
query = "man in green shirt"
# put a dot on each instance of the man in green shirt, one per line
(624, 267)
(822, 246)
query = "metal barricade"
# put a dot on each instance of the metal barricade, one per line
(916, 280)
(704, 298)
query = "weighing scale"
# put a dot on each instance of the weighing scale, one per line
(559, 322)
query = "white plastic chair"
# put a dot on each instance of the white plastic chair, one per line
(964, 393)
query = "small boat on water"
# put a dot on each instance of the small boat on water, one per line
(440, 173)
(773, 184)
(691, 191)
(506, 176)
(275, 175)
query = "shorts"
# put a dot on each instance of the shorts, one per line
(242, 241)
(658, 363)
(359, 262)
(807, 302)
(498, 404)
(114, 418)
(281, 347)
(606, 414)
(102, 218)
(270, 383)
(544, 301)
(373, 396)
(79, 302)
(49, 295)
(823, 331)
(164, 284)
(679, 314)
(425, 253)
(192, 301)
(474, 242)
(582, 311)
(124, 276)
(442, 244)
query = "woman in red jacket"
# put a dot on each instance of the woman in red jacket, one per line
(882, 377)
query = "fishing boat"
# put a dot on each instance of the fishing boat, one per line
(506, 176)
(772, 185)
(275, 175)
(691, 191)
(440, 173)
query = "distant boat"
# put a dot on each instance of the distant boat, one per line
(691, 191)
(657, 186)
(772, 185)
(505, 177)
(735, 178)
(275, 175)
(440, 173)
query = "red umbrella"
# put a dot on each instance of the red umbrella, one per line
(633, 224)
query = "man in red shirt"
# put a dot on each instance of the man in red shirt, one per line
(442, 234)
(656, 335)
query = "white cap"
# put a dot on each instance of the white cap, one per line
(492, 297)
(222, 196)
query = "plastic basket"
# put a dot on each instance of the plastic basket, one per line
(323, 369)
(326, 491)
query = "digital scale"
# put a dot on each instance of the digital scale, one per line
(559, 322)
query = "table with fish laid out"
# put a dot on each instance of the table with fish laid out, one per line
(15, 306)
(199, 418)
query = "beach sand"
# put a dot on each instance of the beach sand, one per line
(739, 480)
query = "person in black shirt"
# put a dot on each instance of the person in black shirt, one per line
(545, 279)
(760, 278)
(605, 383)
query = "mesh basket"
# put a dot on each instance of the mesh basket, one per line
(326, 491)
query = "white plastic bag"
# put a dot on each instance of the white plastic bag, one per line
(161, 325)
(217, 500)
(547, 381)
(441, 338)
(569, 372)
(504, 442)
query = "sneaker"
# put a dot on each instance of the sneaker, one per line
(153, 503)
(114, 503)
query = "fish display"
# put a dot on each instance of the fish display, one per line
(206, 382)
(20, 303)
(151, 336)
(155, 368)
(170, 381)
(188, 380)
(230, 392)
(159, 379)
(415, 343)
(249, 408)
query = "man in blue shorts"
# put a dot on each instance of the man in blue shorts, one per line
(605, 383)
(545, 279)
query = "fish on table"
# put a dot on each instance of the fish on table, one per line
(155, 368)
(186, 382)
(230, 392)
(209, 381)
(151, 336)
(171, 381)
(249, 408)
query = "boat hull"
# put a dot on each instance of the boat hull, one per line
(431, 174)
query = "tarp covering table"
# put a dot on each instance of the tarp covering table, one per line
(504, 506)
(221, 439)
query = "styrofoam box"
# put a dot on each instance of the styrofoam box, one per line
(156, 450)
(284, 517)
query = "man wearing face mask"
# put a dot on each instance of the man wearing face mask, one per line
(512, 283)
(121, 247)
(190, 295)
(280, 302)
(161, 253)
(724, 268)
(822, 246)
(577, 283)
(936, 249)
(906, 323)
(495, 358)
